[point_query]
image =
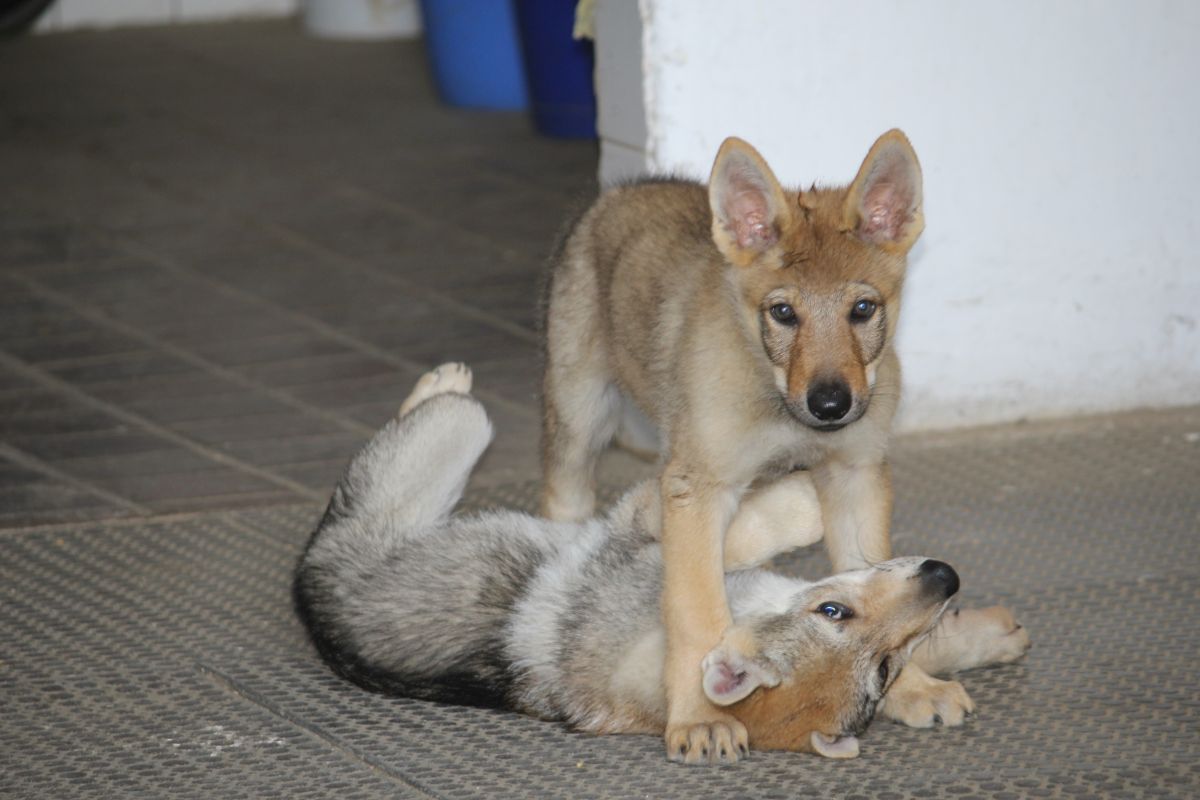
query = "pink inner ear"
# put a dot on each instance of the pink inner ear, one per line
(750, 219)
(885, 209)
(728, 682)
(889, 200)
(746, 208)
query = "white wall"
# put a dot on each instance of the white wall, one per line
(69, 14)
(1060, 267)
(620, 100)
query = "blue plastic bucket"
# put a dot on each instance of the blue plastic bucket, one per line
(559, 69)
(474, 52)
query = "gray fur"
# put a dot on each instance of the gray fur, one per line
(503, 608)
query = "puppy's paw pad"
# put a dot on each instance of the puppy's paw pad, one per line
(452, 377)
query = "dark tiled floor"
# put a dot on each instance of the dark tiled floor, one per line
(222, 263)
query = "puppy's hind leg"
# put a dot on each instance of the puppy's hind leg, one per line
(773, 519)
(581, 404)
(579, 421)
(417, 466)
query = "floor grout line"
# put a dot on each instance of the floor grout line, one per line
(100, 318)
(50, 381)
(223, 502)
(158, 517)
(131, 246)
(255, 148)
(96, 359)
(30, 461)
(294, 238)
(204, 128)
(428, 221)
(140, 251)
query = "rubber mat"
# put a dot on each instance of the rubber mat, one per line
(161, 658)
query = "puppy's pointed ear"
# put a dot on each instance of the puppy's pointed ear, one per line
(883, 206)
(730, 677)
(834, 746)
(748, 206)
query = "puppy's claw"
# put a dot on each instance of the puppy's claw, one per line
(721, 742)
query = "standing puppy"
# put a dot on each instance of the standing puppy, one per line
(753, 326)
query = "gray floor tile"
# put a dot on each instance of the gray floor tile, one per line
(177, 487)
(253, 427)
(48, 502)
(301, 448)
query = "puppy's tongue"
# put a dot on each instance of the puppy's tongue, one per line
(835, 746)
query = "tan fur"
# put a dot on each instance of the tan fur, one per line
(663, 293)
(784, 718)
(780, 516)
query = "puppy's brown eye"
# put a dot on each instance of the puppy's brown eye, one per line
(835, 611)
(783, 313)
(883, 672)
(862, 310)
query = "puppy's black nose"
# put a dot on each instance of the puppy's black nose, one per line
(938, 577)
(829, 401)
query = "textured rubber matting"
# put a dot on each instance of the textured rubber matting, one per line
(161, 659)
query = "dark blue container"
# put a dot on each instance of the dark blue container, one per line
(474, 52)
(559, 69)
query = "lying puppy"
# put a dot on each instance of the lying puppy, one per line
(562, 620)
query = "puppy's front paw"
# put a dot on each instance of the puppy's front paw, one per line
(722, 740)
(920, 701)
